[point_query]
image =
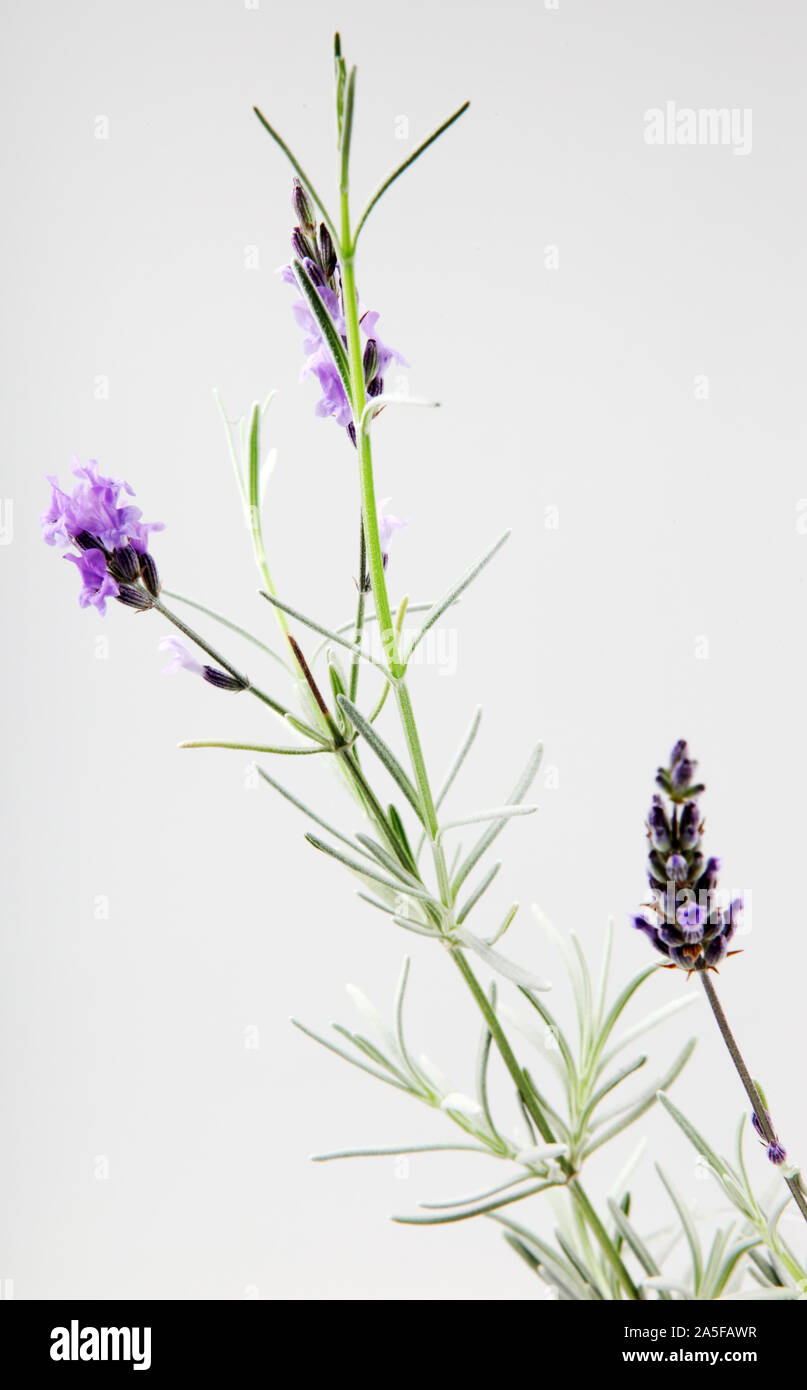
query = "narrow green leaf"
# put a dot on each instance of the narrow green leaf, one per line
(252, 747)
(496, 813)
(483, 1057)
(396, 174)
(302, 175)
(560, 1272)
(383, 752)
(398, 1149)
(690, 1231)
(648, 1098)
(452, 594)
(325, 323)
(367, 870)
(482, 887)
(346, 1057)
(477, 1196)
(644, 1026)
(607, 1087)
(486, 839)
(616, 1009)
(633, 1240)
(480, 1209)
(323, 631)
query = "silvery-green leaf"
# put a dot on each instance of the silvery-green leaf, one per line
(556, 1034)
(507, 922)
(648, 1098)
(554, 1263)
(400, 1149)
(632, 1238)
(719, 1166)
(690, 1230)
(482, 887)
(524, 978)
(730, 1263)
(323, 631)
(374, 1020)
(608, 1086)
(762, 1295)
(452, 594)
(486, 840)
(651, 1021)
(406, 164)
(366, 870)
(475, 1197)
(602, 989)
(496, 813)
(463, 1105)
(588, 1278)
(325, 324)
(540, 1153)
(481, 1209)
(464, 750)
(620, 1184)
(354, 1061)
(383, 752)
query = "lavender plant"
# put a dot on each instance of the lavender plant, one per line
(407, 859)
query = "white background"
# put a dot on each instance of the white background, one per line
(127, 258)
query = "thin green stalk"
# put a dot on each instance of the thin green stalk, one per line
(226, 665)
(751, 1090)
(542, 1124)
(359, 628)
(397, 672)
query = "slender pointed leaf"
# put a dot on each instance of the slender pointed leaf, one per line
(396, 174)
(383, 752)
(486, 840)
(452, 594)
(482, 887)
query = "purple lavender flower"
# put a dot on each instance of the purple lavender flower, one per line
(97, 585)
(181, 658)
(777, 1153)
(387, 526)
(109, 534)
(316, 253)
(683, 920)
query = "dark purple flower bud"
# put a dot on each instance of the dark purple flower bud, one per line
(148, 569)
(315, 274)
(133, 598)
(714, 952)
(301, 246)
(370, 360)
(757, 1126)
(689, 826)
(681, 774)
(87, 542)
(708, 879)
(677, 868)
(327, 254)
(656, 870)
(124, 563)
(659, 826)
(679, 752)
(776, 1152)
(302, 207)
(375, 387)
(651, 932)
(222, 680)
(351, 432)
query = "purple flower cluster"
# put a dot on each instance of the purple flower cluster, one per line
(684, 920)
(315, 251)
(109, 535)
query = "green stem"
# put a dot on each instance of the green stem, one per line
(751, 1090)
(542, 1124)
(397, 670)
(225, 665)
(359, 628)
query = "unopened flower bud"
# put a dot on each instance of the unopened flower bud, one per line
(370, 360)
(659, 826)
(689, 826)
(677, 868)
(708, 879)
(221, 679)
(301, 246)
(87, 542)
(133, 598)
(148, 570)
(302, 207)
(327, 254)
(124, 563)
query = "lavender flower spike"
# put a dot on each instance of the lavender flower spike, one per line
(316, 252)
(109, 534)
(684, 920)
